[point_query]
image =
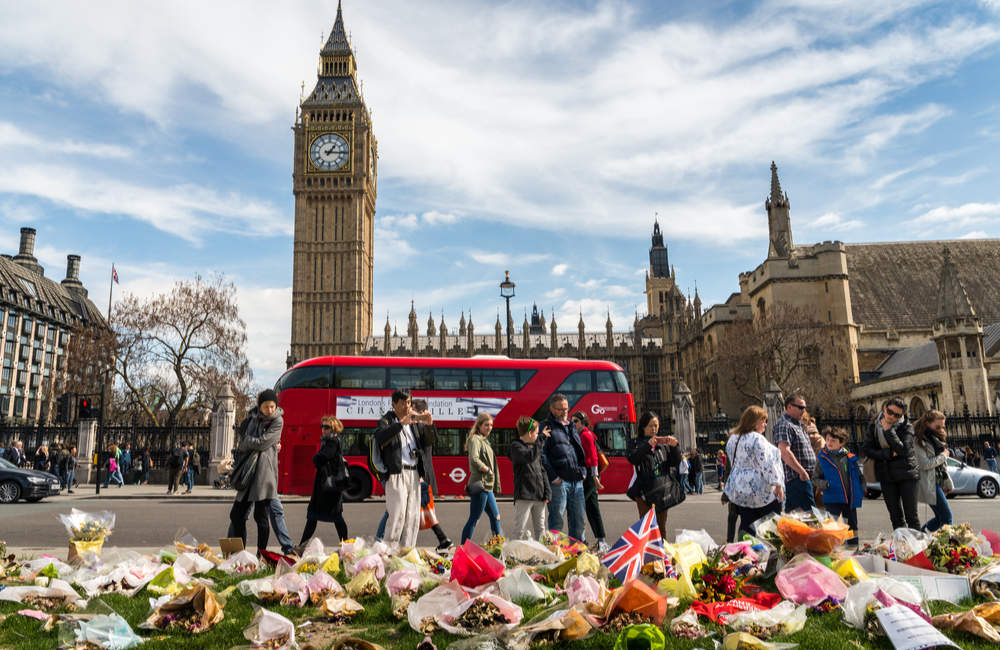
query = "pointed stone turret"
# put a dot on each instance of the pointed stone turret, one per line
(778, 221)
(431, 327)
(954, 305)
(958, 334)
(553, 335)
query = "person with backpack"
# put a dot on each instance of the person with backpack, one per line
(260, 486)
(399, 447)
(175, 467)
(327, 500)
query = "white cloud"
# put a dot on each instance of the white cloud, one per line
(560, 269)
(834, 222)
(187, 211)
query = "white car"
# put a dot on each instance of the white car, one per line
(967, 480)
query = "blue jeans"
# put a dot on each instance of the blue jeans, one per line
(799, 495)
(942, 513)
(276, 515)
(482, 501)
(568, 499)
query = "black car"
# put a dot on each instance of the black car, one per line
(27, 484)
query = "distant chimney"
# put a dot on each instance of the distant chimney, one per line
(26, 255)
(72, 268)
(72, 281)
(27, 243)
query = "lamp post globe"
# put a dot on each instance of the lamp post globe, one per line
(507, 292)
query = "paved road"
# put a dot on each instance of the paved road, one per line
(148, 519)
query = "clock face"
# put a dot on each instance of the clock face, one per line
(329, 152)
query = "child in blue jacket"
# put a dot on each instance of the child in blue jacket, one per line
(838, 474)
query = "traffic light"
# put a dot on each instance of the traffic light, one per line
(84, 409)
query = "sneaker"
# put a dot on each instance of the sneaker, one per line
(602, 547)
(444, 546)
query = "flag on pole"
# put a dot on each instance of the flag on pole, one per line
(640, 544)
(114, 274)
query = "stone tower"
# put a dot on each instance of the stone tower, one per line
(959, 337)
(779, 224)
(334, 183)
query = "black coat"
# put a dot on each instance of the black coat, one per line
(562, 453)
(329, 461)
(888, 468)
(653, 466)
(387, 438)
(530, 480)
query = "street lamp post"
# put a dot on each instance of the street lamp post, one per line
(507, 292)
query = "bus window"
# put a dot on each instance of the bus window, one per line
(451, 379)
(613, 436)
(305, 377)
(499, 379)
(621, 382)
(360, 377)
(605, 382)
(412, 378)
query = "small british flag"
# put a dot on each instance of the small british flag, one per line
(640, 544)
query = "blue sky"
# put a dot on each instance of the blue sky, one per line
(539, 137)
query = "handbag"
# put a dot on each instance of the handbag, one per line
(244, 470)
(474, 488)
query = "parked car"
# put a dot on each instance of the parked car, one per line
(967, 480)
(27, 484)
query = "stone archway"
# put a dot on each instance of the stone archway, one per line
(917, 408)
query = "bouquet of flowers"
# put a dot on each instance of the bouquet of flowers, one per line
(814, 532)
(953, 549)
(718, 579)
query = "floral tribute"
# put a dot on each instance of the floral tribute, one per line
(952, 549)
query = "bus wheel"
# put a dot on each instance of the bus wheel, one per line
(359, 485)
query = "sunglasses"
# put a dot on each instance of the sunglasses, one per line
(895, 414)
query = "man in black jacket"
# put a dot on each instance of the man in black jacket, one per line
(563, 460)
(889, 442)
(399, 445)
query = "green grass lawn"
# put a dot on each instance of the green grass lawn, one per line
(376, 624)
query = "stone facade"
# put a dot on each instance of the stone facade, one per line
(37, 318)
(334, 182)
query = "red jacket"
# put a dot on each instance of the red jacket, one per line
(589, 441)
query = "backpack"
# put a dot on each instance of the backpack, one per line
(176, 459)
(374, 457)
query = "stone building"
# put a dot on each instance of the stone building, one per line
(919, 319)
(38, 316)
(334, 182)
(647, 352)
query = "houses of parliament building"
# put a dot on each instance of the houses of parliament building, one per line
(919, 319)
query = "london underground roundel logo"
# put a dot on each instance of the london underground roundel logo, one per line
(457, 475)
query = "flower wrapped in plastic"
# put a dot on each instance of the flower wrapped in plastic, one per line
(957, 549)
(270, 630)
(195, 609)
(815, 532)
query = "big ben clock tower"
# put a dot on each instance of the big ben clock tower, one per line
(334, 182)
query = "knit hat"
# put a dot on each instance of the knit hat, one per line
(267, 395)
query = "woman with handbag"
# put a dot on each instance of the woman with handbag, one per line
(657, 482)
(592, 481)
(932, 461)
(756, 481)
(327, 500)
(484, 477)
(255, 472)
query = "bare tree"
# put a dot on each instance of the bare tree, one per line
(176, 349)
(787, 344)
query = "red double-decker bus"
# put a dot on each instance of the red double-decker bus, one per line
(358, 391)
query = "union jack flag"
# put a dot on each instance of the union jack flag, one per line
(640, 544)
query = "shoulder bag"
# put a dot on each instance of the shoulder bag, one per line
(244, 470)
